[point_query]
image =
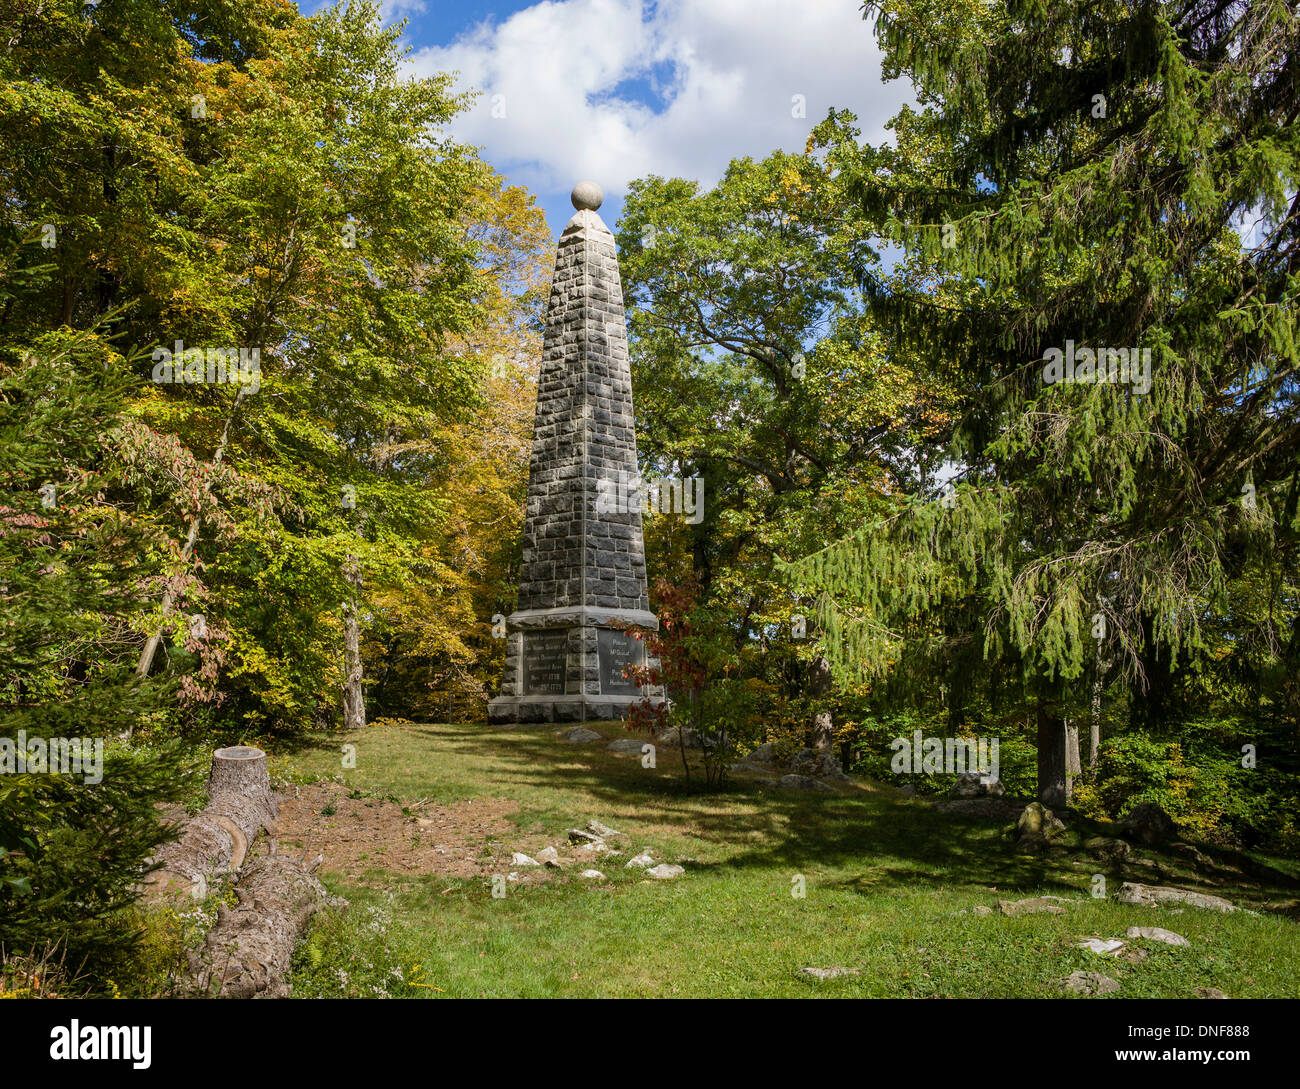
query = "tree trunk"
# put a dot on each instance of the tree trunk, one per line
(1099, 668)
(1053, 785)
(823, 731)
(1073, 768)
(1094, 720)
(145, 663)
(820, 682)
(246, 954)
(240, 804)
(169, 597)
(354, 700)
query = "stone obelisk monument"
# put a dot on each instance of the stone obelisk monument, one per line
(583, 571)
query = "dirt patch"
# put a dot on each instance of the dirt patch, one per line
(360, 834)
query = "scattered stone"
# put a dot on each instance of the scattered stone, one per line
(1130, 892)
(1209, 992)
(577, 835)
(640, 862)
(1108, 848)
(579, 735)
(671, 736)
(1156, 934)
(765, 754)
(665, 871)
(1034, 905)
(802, 782)
(625, 745)
(974, 784)
(1149, 824)
(981, 909)
(1106, 947)
(602, 830)
(988, 808)
(592, 875)
(1089, 983)
(597, 848)
(818, 764)
(550, 856)
(1193, 855)
(521, 859)
(827, 973)
(1132, 954)
(1037, 825)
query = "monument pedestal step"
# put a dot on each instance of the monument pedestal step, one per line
(570, 708)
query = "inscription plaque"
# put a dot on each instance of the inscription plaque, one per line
(545, 661)
(618, 650)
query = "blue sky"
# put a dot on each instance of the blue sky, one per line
(611, 90)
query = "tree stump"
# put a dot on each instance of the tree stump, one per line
(240, 804)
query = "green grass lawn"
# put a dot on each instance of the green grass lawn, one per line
(890, 884)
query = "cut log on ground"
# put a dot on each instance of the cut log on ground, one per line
(240, 804)
(247, 953)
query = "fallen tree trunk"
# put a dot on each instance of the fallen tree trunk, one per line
(240, 804)
(247, 953)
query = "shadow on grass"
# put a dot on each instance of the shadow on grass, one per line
(881, 837)
(891, 839)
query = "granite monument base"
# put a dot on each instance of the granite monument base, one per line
(573, 665)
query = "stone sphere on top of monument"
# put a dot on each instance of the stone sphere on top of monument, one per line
(586, 196)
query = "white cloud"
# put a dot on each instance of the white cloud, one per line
(729, 71)
(391, 10)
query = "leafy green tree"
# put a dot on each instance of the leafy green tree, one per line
(241, 178)
(78, 809)
(757, 368)
(1083, 178)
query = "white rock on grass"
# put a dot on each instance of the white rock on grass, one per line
(640, 862)
(602, 830)
(550, 856)
(520, 859)
(1135, 893)
(1107, 947)
(665, 871)
(580, 735)
(592, 875)
(1156, 934)
(577, 835)
(827, 973)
